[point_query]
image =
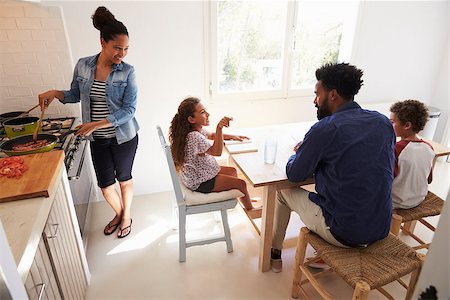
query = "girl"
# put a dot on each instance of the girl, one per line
(106, 87)
(193, 153)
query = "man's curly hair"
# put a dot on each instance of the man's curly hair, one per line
(343, 77)
(411, 111)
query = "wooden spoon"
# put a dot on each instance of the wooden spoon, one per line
(26, 112)
(38, 125)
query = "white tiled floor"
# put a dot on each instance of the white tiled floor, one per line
(145, 264)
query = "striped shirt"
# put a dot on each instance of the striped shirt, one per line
(99, 110)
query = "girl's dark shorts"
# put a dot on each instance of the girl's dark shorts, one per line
(112, 160)
(207, 186)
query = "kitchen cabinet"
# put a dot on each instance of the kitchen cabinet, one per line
(41, 281)
(45, 241)
(63, 248)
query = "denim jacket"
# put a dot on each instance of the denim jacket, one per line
(121, 95)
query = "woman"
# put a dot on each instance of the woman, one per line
(106, 87)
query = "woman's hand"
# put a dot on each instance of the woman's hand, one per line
(46, 98)
(224, 122)
(88, 128)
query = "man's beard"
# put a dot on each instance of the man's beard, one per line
(323, 110)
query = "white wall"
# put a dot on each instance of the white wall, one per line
(436, 270)
(399, 46)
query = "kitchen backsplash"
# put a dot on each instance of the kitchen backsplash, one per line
(34, 57)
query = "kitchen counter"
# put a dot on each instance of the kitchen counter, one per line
(24, 221)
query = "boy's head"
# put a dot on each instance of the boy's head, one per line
(411, 115)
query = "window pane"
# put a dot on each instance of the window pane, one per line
(250, 38)
(318, 35)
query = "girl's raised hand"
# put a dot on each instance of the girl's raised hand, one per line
(224, 122)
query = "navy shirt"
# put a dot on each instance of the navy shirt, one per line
(351, 156)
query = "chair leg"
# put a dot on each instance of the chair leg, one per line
(414, 277)
(410, 226)
(226, 230)
(362, 290)
(396, 224)
(299, 259)
(182, 236)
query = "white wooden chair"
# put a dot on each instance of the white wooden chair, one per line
(189, 203)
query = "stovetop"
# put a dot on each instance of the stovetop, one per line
(55, 126)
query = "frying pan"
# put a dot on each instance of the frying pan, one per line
(7, 146)
(15, 114)
(10, 115)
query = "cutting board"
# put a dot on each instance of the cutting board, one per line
(37, 181)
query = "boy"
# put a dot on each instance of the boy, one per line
(413, 156)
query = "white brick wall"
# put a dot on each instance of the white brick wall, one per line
(19, 35)
(34, 57)
(7, 23)
(28, 23)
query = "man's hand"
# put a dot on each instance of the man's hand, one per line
(297, 146)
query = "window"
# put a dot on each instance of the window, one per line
(271, 49)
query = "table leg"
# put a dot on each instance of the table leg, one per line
(265, 242)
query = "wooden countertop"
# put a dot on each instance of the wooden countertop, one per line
(24, 222)
(36, 181)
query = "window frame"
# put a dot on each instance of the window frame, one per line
(346, 53)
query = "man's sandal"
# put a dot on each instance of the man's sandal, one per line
(120, 235)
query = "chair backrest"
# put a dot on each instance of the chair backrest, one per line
(173, 171)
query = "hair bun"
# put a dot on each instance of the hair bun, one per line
(102, 16)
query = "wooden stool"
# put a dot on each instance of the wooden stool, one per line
(431, 206)
(364, 269)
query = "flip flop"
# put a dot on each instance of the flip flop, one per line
(120, 235)
(111, 226)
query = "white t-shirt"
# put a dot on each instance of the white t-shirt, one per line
(198, 165)
(413, 171)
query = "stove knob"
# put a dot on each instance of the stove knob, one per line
(70, 155)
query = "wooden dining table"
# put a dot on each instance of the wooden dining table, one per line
(272, 177)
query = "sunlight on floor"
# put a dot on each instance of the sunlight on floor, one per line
(144, 238)
(200, 226)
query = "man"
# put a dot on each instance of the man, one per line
(350, 153)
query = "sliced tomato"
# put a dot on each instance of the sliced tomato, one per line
(9, 160)
(12, 167)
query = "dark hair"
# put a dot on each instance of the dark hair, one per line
(343, 77)
(179, 129)
(411, 111)
(109, 27)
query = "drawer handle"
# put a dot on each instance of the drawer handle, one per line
(41, 292)
(56, 226)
